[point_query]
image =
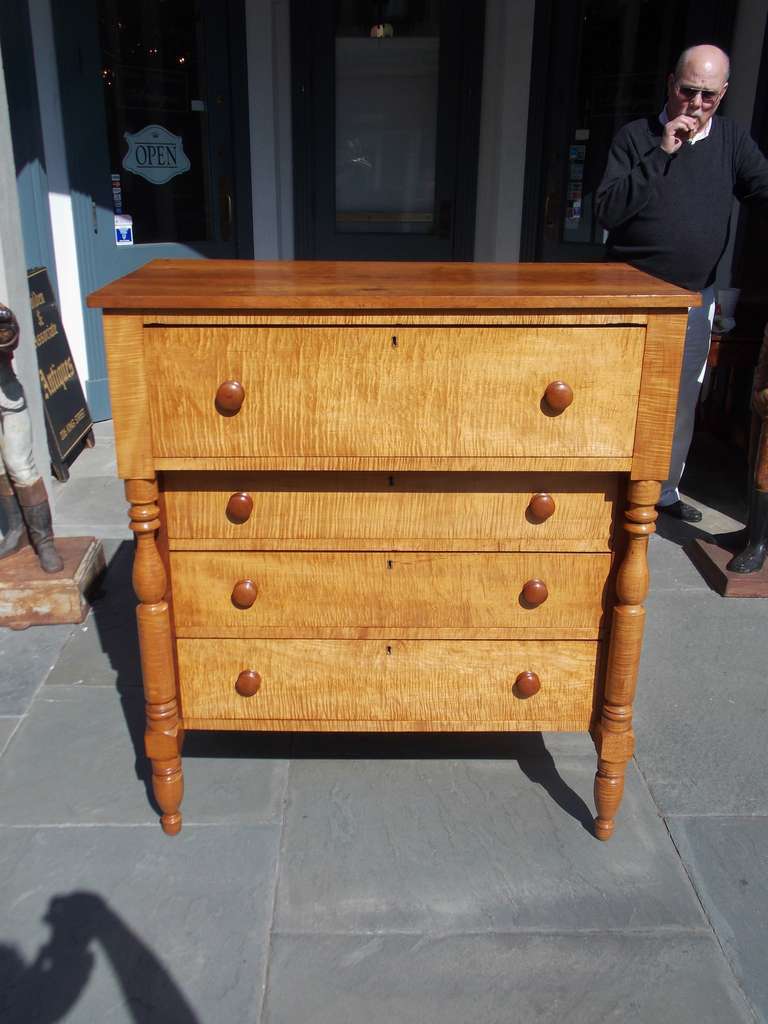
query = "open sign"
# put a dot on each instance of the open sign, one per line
(155, 154)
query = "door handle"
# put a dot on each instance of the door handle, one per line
(225, 194)
(445, 219)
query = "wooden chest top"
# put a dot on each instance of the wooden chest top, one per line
(316, 285)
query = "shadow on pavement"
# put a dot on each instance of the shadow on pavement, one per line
(46, 989)
(113, 605)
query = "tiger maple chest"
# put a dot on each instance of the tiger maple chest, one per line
(391, 496)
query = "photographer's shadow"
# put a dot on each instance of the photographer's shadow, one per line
(45, 990)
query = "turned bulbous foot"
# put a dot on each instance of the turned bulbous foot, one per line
(171, 824)
(603, 829)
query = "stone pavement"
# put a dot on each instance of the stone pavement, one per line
(371, 879)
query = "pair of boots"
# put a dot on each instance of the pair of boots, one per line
(28, 517)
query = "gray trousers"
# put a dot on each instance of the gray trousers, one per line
(15, 430)
(697, 337)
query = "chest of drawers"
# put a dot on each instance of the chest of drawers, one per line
(401, 497)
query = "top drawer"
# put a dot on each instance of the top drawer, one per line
(380, 391)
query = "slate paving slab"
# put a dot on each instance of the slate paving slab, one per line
(501, 979)
(701, 712)
(671, 569)
(78, 758)
(104, 649)
(100, 655)
(7, 728)
(727, 860)
(414, 846)
(115, 925)
(26, 658)
(92, 505)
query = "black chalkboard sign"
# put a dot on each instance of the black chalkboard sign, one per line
(67, 418)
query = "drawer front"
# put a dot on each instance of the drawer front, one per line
(351, 594)
(367, 681)
(377, 392)
(476, 511)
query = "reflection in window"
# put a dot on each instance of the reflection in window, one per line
(625, 52)
(153, 77)
(387, 64)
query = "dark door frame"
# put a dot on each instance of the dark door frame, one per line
(313, 79)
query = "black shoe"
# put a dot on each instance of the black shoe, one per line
(679, 510)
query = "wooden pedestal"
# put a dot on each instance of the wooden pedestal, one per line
(711, 560)
(31, 597)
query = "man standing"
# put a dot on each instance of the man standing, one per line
(666, 199)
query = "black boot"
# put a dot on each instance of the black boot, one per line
(37, 515)
(15, 536)
(751, 559)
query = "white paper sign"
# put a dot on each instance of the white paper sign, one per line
(123, 229)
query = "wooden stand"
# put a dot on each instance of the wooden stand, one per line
(31, 597)
(711, 559)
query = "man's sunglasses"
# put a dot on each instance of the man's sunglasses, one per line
(688, 92)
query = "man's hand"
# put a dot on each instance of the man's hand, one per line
(677, 131)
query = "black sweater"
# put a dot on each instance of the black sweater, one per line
(670, 215)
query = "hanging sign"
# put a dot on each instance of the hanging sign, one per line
(67, 418)
(155, 154)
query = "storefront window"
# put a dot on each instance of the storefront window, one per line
(153, 76)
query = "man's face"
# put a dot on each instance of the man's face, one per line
(696, 92)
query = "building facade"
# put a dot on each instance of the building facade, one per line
(285, 129)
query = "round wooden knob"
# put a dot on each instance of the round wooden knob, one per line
(230, 396)
(244, 593)
(526, 684)
(535, 593)
(239, 507)
(541, 506)
(247, 683)
(558, 395)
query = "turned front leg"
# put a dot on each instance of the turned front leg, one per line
(163, 736)
(613, 734)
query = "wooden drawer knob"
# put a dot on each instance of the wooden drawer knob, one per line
(239, 507)
(558, 396)
(535, 593)
(527, 684)
(248, 683)
(244, 593)
(541, 506)
(229, 397)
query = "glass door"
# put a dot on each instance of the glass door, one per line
(386, 120)
(152, 96)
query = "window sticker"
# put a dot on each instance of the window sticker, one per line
(155, 154)
(123, 229)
